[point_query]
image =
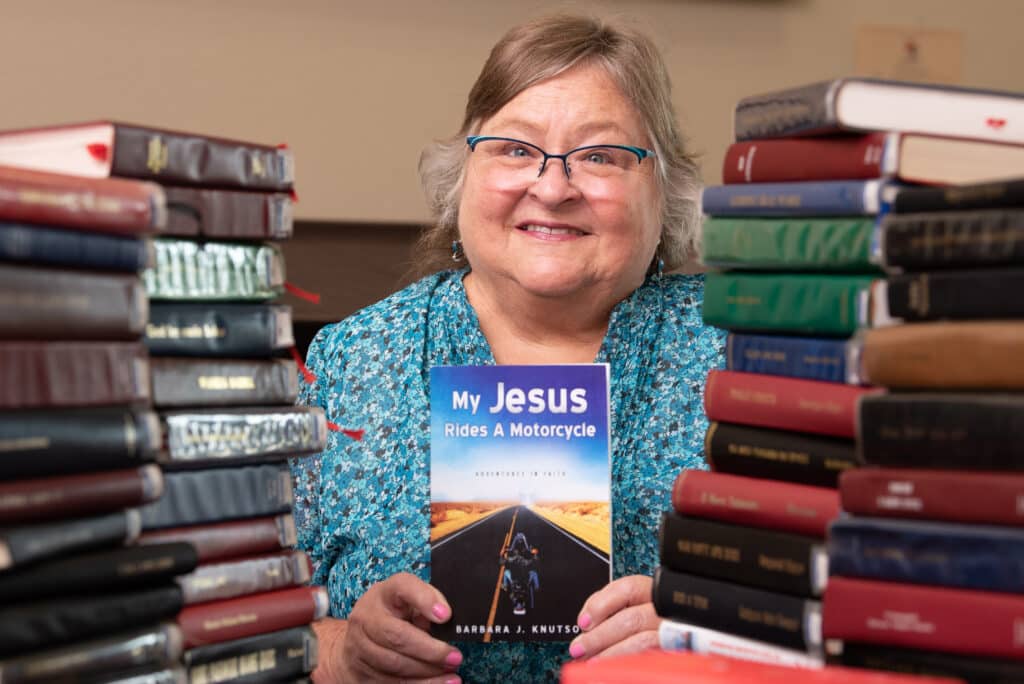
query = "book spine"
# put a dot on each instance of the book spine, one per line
(219, 494)
(249, 576)
(228, 215)
(21, 545)
(825, 408)
(220, 541)
(766, 559)
(934, 431)
(680, 636)
(955, 294)
(109, 205)
(188, 270)
(277, 656)
(175, 157)
(198, 437)
(226, 330)
(55, 304)
(807, 110)
(791, 244)
(179, 382)
(805, 159)
(967, 497)
(803, 304)
(778, 619)
(78, 495)
(932, 618)
(951, 239)
(74, 249)
(795, 357)
(808, 198)
(778, 454)
(37, 443)
(916, 661)
(912, 200)
(69, 374)
(237, 618)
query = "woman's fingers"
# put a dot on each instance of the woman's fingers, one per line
(633, 628)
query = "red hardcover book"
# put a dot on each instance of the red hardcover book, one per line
(103, 205)
(681, 667)
(221, 541)
(767, 504)
(237, 618)
(920, 616)
(986, 498)
(827, 408)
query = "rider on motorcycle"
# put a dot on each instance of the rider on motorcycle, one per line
(520, 574)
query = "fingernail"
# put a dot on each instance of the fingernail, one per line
(576, 650)
(453, 680)
(584, 621)
(441, 611)
(453, 659)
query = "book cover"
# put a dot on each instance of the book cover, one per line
(975, 293)
(183, 382)
(973, 669)
(219, 330)
(274, 656)
(188, 270)
(520, 509)
(801, 198)
(812, 358)
(63, 247)
(228, 214)
(223, 540)
(683, 636)
(960, 198)
(951, 239)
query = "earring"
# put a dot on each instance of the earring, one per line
(457, 253)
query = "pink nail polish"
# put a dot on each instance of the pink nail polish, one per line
(440, 611)
(453, 680)
(453, 659)
(576, 651)
(584, 621)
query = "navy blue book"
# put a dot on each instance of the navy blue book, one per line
(803, 198)
(73, 248)
(813, 358)
(981, 557)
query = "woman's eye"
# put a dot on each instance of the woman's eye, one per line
(597, 158)
(519, 151)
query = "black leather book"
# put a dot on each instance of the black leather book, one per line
(71, 248)
(273, 657)
(216, 581)
(26, 544)
(218, 330)
(181, 382)
(970, 294)
(973, 669)
(958, 197)
(952, 239)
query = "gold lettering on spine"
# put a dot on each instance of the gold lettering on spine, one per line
(156, 154)
(226, 382)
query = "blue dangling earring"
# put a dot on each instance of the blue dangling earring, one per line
(457, 253)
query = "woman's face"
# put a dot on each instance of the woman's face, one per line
(551, 235)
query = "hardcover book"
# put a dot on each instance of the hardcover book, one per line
(58, 246)
(187, 270)
(228, 215)
(520, 507)
(218, 330)
(224, 540)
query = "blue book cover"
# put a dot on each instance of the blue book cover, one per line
(798, 198)
(520, 498)
(73, 248)
(812, 358)
(981, 557)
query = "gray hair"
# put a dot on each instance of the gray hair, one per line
(542, 49)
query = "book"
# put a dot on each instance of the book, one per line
(951, 239)
(866, 104)
(45, 442)
(976, 670)
(994, 195)
(170, 675)
(811, 358)
(983, 498)
(789, 243)
(156, 645)
(69, 374)
(220, 494)
(81, 494)
(968, 294)
(826, 408)
(206, 437)
(799, 303)
(218, 330)
(114, 569)
(179, 382)
(910, 157)
(56, 246)
(228, 214)
(780, 506)
(779, 619)
(766, 559)
(210, 582)
(955, 355)
(57, 304)
(520, 481)
(778, 454)
(187, 270)
(246, 616)
(917, 616)
(959, 431)
(224, 540)
(681, 636)
(33, 543)
(275, 656)
(98, 149)
(108, 205)
(801, 198)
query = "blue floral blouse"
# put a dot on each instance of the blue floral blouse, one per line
(363, 507)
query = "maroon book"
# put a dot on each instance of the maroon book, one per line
(236, 618)
(804, 159)
(228, 214)
(220, 541)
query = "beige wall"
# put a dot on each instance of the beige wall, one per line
(357, 88)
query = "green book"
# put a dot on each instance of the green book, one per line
(792, 244)
(189, 270)
(801, 303)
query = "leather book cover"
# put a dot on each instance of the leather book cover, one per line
(181, 382)
(215, 581)
(805, 159)
(968, 294)
(219, 330)
(1000, 194)
(952, 239)
(225, 540)
(58, 247)
(276, 656)
(33, 543)
(228, 214)
(189, 270)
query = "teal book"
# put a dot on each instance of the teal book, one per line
(520, 498)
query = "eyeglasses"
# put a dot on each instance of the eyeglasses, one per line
(518, 158)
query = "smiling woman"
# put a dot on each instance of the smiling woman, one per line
(560, 201)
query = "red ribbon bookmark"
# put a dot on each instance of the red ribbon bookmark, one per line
(354, 434)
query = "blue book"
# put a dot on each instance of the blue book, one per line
(804, 198)
(981, 557)
(73, 248)
(812, 358)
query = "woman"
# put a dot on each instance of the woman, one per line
(559, 259)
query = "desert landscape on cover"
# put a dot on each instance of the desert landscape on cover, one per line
(588, 520)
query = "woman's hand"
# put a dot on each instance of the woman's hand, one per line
(618, 619)
(386, 637)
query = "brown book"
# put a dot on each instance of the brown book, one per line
(228, 214)
(66, 374)
(70, 496)
(960, 355)
(241, 577)
(221, 541)
(179, 382)
(57, 304)
(103, 205)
